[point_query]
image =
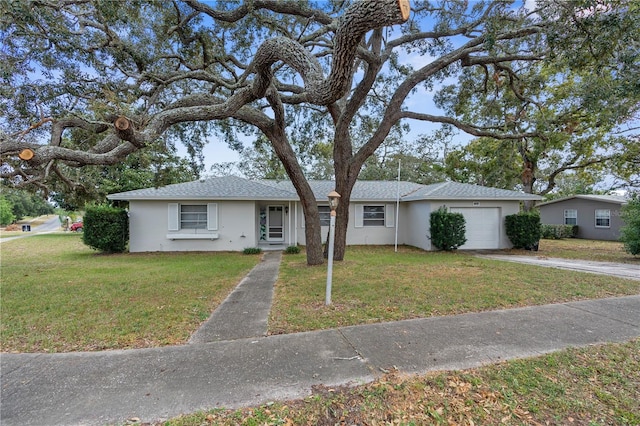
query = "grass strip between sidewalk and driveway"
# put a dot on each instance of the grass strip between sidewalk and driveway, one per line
(573, 248)
(597, 385)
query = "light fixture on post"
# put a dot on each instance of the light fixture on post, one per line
(334, 199)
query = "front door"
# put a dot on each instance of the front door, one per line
(275, 224)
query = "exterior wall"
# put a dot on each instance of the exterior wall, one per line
(149, 224)
(365, 235)
(553, 214)
(414, 224)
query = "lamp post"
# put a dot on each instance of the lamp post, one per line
(334, 199)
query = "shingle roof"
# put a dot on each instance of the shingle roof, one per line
(228, 187)
(615, 199)
(236, 188)
(455, 190)
(369, 190)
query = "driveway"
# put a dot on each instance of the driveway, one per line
(50, 225)
(621, 270)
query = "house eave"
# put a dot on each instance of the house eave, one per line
(452, 198)
(579, 197)
(197, 197)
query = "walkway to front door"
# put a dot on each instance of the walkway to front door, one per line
(245, 311)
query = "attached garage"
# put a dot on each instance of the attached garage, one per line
(483, 208)
(482, 227)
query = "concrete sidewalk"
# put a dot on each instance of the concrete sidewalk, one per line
(244, 313)
(154, 384)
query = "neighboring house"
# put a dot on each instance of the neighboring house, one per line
(597, 216)
(232, 213)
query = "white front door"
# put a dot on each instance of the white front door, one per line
(275, 223)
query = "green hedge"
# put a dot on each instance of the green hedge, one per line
(556, 232)
(252, 250)
(447, 229)
(524, 230)
(630, 232)
(106, 229)
(292, 250)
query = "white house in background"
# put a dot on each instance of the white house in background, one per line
(231, 213)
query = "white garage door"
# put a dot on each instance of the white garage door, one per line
(482, 227)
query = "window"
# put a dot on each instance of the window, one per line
(193, 216)
(571, 217)
(373, 216)
(603, 218)
(325, 215)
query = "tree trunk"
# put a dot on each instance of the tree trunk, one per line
(528, 179)
(312, 231)
(285, 153)
(345, 180)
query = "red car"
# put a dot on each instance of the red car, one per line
(76, 227)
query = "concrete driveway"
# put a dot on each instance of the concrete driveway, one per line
(621, 270)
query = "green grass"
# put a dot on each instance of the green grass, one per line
(59, 295)
(572, 248)
(375, 284)
(598, 385)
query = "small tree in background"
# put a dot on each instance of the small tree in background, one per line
(447, 229)
(524, 230)
(6, 212)
(630, 232)
(106, 229)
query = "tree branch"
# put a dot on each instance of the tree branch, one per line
(467, 128)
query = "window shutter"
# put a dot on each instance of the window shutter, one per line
(212, 216)
(174, 219)
(390, 215)
(359, 215)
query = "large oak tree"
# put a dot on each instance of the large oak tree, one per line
(142, 73)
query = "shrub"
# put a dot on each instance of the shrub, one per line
(524, 230)
(630, 232)
(447, 229)
(292, 250)
(6, 212)
(252, 250)
(556, 232)
(106, 229)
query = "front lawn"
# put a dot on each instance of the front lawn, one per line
(375, 284)
(58, 295)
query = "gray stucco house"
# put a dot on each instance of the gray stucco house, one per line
(232, 213)
(597, 216)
